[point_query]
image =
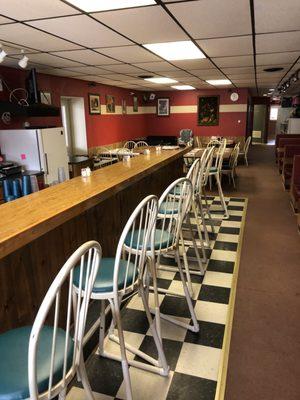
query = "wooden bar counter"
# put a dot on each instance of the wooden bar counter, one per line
(40, 231)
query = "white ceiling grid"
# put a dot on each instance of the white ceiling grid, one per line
(107, 46)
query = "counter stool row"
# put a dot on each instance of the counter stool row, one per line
(39, 362)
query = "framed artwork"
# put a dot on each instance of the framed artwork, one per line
(110, 104)
(46, 98)
(135, 104)
(124, 108)
(208, 110)
(163, 107)
(94, 103)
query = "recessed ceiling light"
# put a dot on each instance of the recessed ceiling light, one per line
(218, 82)
(160, 80)
(183, 87)
(175, 51)
(104, 5)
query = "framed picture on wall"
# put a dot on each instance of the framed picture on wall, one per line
(163, 107)
(94, 103)
(135, 104)
(110, 104)
(208, 110)
(124, 108)
(46, 98)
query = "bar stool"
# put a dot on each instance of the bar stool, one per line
(39, 362)
(124, 275)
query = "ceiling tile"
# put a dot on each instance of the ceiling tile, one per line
(4, 20)
(241, 76)
(89, 70)
(177, 74)
(277, 42)
(213, 18)
(276, 15)
(51, 61)
(87, 57)
(91, 34)
(27, 36)
(32, 9)
(143, 25)
(124, 68)
(238, 61)
(212, 73)
(238, 70)
(276, 58)
(13, 49)
(157, 66)
(130, 54)
(59, 72)
(117, 77)
(194, 64)
(232, 46)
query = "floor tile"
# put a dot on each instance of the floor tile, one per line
(225, 237)
(146, 385)
(171, 349)
(176, 306)
(234, 218)
(237, 208)
(222, 245)
(176, 286)
(172, 331)
(232, 231)
(231, 224)
(223, 255)
(134, 339)
(136, 302)
(220, 266)
(168, 275)
(210, 334)
(217, 279)
(134, 321)
(211, 312)
(186, 387)
(215, 294)
(79, 394)
(198, 360)
(194, 278)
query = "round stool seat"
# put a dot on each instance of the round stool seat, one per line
(162, 240)
(105, 275)
(169, 207)
(14, 361)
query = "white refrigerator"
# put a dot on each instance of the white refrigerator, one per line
(36, 149)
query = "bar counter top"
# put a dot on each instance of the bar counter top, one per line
(27, 218)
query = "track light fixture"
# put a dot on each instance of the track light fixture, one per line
(24, 60)
(3, 54)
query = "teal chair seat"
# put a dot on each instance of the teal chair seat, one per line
(105, 275)
(14, 361)
(213, 169)
(176, 190)
(169, 207)
(162, 240)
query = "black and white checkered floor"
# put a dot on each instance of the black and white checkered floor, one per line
(194, 358)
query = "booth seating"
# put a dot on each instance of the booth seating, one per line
(287, 163)
(280, 150)
(284, 136)
(295, 184)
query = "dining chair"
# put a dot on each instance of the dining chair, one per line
(39, 362)
(141, 143)
(105, 157)
(126, 274)
(130, 144)
(230, 168)
(244, 152)
(123, 152)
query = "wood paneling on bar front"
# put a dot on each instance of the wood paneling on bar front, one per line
(38, 242)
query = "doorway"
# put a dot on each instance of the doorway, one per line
(73, 118)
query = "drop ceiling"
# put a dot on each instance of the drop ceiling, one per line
(240, 38)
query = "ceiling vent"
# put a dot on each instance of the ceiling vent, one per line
(273, 69)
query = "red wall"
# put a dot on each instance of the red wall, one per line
(228, 121)
(101, 129)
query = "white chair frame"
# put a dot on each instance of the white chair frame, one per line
(244, 152)
(231, 171)
(88, 256)
(130, 144)
(141, 143)
(142, 224)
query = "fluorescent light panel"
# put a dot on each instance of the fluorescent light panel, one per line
(175, 51)
(183, 87)
(160, 80)
(217, 82)
(104, 5)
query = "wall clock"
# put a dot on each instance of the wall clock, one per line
(234, 96)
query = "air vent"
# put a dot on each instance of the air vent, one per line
(145, 76)
(273, 69)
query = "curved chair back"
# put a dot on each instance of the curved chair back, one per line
(214, 142)
(135, 241)
(206, 164)
(61, 345)
(193, 172)
(172, 213)
(234, 156)
(218, 161)
(247, 144)
(141, 143)
(129, 145)
(105, 153)
(123, 151)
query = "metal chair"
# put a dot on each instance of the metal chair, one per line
(129, 145)
(127, 274)
(141, 143)
(39, 362)
(123, 152)
(230, 168)
(104, 158)
(244, 152)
